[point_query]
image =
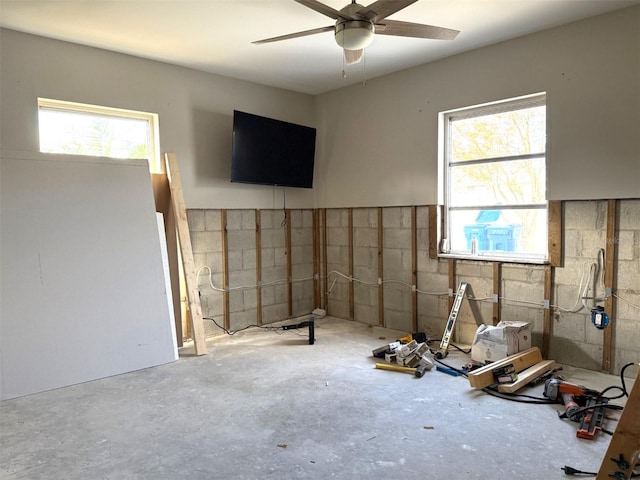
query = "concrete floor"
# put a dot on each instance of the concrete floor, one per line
(268, 405)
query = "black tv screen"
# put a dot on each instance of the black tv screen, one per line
(266, 151)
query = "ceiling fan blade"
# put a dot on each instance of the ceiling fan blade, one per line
(353, 56)
(383, 8)
(295, 35)
(323, 9)
(416, 30)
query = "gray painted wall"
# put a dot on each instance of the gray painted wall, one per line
(379, 142)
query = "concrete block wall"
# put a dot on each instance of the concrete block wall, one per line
(365, 265)
(573, 340)
(242, 260)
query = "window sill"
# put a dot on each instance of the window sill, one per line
(494, 258)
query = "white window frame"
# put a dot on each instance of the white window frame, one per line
(444, 165)
(155, 164)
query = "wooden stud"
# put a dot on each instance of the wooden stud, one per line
(162, 194)
(289, 265)
(258, 267)
(483, 377)
(609, 284)
(225, 270)
(324, 301)
(193, 294)
(497, 291)
(452, 281)
(414, 267)
(351, 283)
(527, 375)
(554, 234)
(434, 231)
(547, 314)
(316, 260)
(380, 269)
(625, 442)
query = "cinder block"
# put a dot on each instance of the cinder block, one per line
(242, 319)
(249, 259)
(240, 240)
(337, 217)
(206, 242)
(195, 219)
(366, 314)
(248, 220)
(365, 218)
(396, 217)
(337, 236)
(234, 220)
(365, 257)
(338, 255)
(584, 215)
(627, 244)
(629, 214)
(365, 237)
(274, 313)
(234, 260)
(212, 220)
(397, 238)
(280, 256)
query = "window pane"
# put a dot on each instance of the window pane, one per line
(513, 182)
(89, 134)
(503, 134)
(499, 232)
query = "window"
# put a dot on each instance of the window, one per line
(493, 181)
(80, 129)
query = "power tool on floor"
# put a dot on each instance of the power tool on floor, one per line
(581, 404)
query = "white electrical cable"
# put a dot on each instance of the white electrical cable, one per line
(246, 287)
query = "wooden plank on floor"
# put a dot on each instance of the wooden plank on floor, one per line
(184, 237)
(527, 375)
(625, 442)
(483, 377)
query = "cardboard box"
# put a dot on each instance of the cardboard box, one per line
(495, 343)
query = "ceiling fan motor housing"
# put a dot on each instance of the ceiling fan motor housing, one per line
(354, 34)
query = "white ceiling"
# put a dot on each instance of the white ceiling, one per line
(216, 35)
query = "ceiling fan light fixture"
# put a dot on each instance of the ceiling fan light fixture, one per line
(354, 34)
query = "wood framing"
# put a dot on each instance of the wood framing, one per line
(184, 237)
(625, 443)
(324, 302)
(414, 267)
(258, 267)
(289, 265)
(527, 375)
(380, 269)
(162, 195)
(352, 307)
(483, 377)
(434, 230)
(497, 291)
(610, 255)
(316, 259)
(225, 270)
(547, 314)
(554, 234)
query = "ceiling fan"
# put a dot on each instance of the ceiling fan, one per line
(356, 26)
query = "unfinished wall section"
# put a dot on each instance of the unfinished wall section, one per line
(365, 265)
(397, 260)
(338, 262)
(301, 251)
(522, 297)
(433, 282)
(241, 260)
(258, 289)
(205, 228)
(574, 340)
(274, 265)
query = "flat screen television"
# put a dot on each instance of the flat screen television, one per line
(266, 151)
